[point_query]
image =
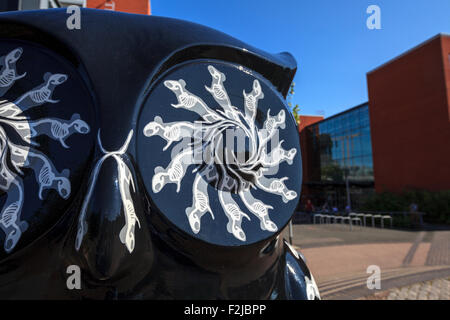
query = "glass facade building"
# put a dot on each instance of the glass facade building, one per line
(340, 149)
(344, 146)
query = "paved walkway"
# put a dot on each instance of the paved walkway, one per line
(339, 259)
(439, 253)
(437, 289)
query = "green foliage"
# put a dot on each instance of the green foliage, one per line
(332, 172)
(294, 109)
(436, 205)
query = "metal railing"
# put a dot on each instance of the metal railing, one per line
(365, 218)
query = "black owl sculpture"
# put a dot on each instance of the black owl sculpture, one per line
(156, 158)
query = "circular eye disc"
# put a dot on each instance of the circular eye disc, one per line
(219, 153)
(46, 114)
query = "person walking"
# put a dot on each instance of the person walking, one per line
(325, 208)
(309, 206)
(413, 210)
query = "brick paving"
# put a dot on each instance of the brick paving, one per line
(412, 251)
(313, 236)
(414, 264)
(439, 253)
(398, 278)
(335, 262)
(437, 289)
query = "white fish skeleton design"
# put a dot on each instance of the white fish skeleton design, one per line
(16, 156)
(221, 171)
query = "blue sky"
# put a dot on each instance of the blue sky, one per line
(333, 47)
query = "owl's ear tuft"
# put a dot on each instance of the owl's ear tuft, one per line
(75, 116)
(47, 76)
(158, 169)
(65, 173)
(158, 119)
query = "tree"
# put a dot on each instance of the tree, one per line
(294, 109)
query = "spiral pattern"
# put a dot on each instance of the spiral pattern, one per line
(229, 169)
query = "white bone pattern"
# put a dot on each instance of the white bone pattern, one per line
(126, 183)
(23, 155)
(40, 96)
(187, 100)
(59, 130)
(7, 77)
(214, 122)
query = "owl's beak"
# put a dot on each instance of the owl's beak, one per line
(112, 209)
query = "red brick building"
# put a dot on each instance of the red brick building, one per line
(130, 6)
(307, 155)
(399, 140)
(409, 99)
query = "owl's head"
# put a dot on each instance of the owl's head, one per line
(126, 156)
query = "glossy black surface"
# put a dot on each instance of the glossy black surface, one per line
(115, 63)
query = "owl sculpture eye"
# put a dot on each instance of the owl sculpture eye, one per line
(216, 147)
(45, 140)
